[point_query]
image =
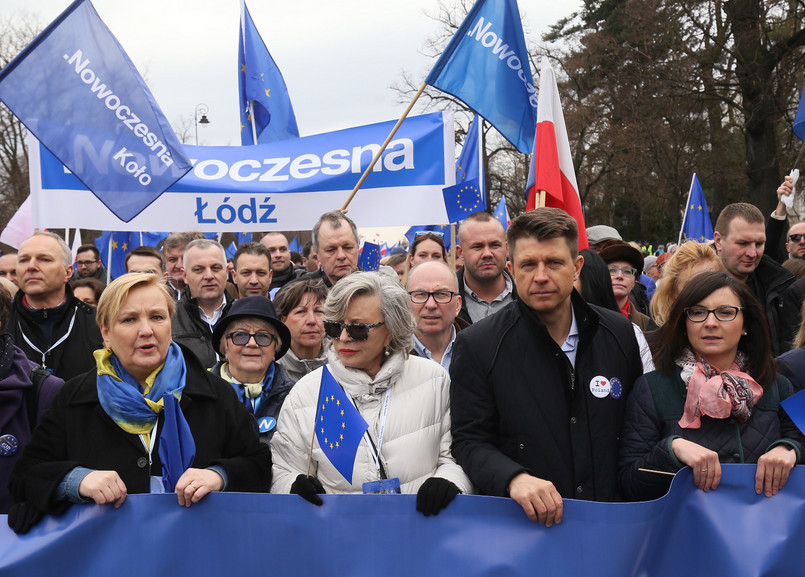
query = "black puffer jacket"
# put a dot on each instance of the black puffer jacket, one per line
(189, 330)
(652, 423)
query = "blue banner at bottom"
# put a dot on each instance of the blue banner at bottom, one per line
(729, 531)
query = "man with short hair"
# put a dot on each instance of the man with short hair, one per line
(204, 300)
(281, 265)
(173, 249)
(145, 259)
(335, 238)
(252, 273)
(484, 283)
(310, 258)
(8, 266)
(433, 289)
(88, 263)
(740, 239)
(538, 389)
(52, 327)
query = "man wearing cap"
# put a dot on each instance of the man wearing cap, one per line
(624, 263)
(250, 339)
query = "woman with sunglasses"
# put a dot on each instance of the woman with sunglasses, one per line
(404, 400)
(714, 398)
(251, 338)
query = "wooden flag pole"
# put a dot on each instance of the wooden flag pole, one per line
(369, 168)
(541, 195)
(453, 245)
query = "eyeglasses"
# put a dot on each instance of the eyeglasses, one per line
(627, 271)
(357, 332)
(795, 237)
(433, 232)
(242, 338)
(724, 313)
(84, 263)
(421, 297)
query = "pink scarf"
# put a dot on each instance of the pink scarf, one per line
(717, 395)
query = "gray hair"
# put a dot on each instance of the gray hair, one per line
(66, 253)
(336, 219)
(399, 319)
(203, 244)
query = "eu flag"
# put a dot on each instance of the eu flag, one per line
(486, 66)
(77, 91)
(339, 425)
(470, 163)
(696, 224)
(502, 214)
(799, 121)
(370, 256)
(461, 200)
(263, 95)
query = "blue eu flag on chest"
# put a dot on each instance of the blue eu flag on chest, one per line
(339, 425)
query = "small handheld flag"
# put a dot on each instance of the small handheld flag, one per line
(369, 259)
(339, 425)
(502, 213)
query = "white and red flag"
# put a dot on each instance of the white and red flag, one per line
(551, 167)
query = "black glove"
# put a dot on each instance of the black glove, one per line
(434, 495)
(309, 488)
(23, 516)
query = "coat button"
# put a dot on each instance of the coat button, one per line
(572, 420)
(522, 446)
(579, 490)
(142, 462)
(736, 456)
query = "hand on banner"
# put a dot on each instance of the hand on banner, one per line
(704, 462)
(103, 487)
(23, 516)
(195, 484)
(434, 495)
(539, 499)
(309, 488)
(773, 468)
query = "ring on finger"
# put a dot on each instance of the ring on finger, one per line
(704, 470)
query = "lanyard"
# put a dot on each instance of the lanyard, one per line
(150, 446)
(54, 345)
(375, 450)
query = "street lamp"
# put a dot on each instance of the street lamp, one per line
(202, 110)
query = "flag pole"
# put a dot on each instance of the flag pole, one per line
(251, 121)
(369, 168)
(453, 245)
(540, 200)
(685, 215)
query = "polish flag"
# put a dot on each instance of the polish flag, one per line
(551, 167)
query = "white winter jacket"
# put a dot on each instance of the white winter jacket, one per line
(416, 439)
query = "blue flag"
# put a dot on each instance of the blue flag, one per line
(799, 121)
(262, 90)
(231, 250)
(294, 245)
(114, 246)
(339, 425)
(696, 224)
(502, 214)
(410, 234)
(370, 256)
(486, 66)
(461, 200)
(470, 163)
(177, 448)
(77, 91)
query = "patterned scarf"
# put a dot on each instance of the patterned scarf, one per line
(136, 409)
(717, 395)
(248, 391)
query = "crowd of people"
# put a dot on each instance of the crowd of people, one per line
(531, 370)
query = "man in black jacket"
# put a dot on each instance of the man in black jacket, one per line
(539, 388)
(52, 327)
(740, 240)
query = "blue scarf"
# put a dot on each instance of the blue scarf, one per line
(132, 408)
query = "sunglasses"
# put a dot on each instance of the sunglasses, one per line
(357, 332)
(242, 338)
(426, 232)
(795, 237)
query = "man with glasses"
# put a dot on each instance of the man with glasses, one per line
(740, 240)
(624, 263)
(88, 264)
(433, 289)
(538, 389)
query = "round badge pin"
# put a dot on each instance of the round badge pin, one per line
(9, 445)
(600, 387)
(265, 424)
(616, 391)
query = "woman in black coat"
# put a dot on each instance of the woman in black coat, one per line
(149, 419)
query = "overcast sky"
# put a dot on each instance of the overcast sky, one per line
(339, 57)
